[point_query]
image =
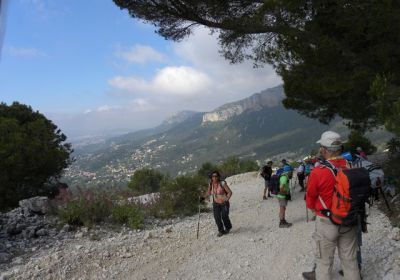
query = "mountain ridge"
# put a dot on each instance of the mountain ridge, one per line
(267, 98)
(255, 132)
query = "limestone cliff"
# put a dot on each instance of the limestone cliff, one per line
(268, 98)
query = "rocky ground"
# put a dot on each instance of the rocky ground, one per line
(255, 249)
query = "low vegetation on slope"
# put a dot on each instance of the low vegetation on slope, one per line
(174, 196)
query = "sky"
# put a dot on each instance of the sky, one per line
(94, 70)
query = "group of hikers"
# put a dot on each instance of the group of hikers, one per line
(329, 183)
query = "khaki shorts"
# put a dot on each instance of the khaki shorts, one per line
(282, 202)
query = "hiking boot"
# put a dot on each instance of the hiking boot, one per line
(342, 274)
(227, 231)
(309, 275)
(220, 234)
(284, 224)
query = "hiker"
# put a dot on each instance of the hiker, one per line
(285, 163)
(361, 153)
(301, 176)
(327, 235)
(283, 195)
(221, 193)
(266, 174)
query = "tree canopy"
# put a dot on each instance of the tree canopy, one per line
(335, 57)
(357, 139)
(33, 154)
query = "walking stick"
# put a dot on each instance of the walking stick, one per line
(384, 198)
(307, 213)
(359, 243)
(198, 221)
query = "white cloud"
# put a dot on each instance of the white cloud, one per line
(140, 54)
(196, 78)
(232, 81)
(199, 71)
(181, 81)
(24, 52)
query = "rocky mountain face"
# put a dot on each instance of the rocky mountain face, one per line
(178, 117)
(265, 99)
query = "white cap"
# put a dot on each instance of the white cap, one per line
(330, 139)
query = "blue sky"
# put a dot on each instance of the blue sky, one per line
(91, 68)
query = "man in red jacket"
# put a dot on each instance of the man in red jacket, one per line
(327, 235)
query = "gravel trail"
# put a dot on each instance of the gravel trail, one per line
(256, 248)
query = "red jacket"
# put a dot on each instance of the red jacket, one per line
(321, 183)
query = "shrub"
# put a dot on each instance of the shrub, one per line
(248, 166)
(129, 214)
(164, 208)
(230, 166)
(73, 212)
(146, 181)
(86, 208)
(233, 165)
(181, 195)
(206, 169)
(392, 166)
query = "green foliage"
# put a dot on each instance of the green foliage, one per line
(328, 53)
(164, 208)
(233, 165)
(74, 213)
(87, 208)
(205, 169)
(357, 139)
(230, 166)
(128, 213)
(248, 166)
(182, 195)
(146, 181)
(392, 166)
(387, 103)
(33, 152)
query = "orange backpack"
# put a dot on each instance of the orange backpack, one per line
(352, 190)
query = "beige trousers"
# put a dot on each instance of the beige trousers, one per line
(327, 237)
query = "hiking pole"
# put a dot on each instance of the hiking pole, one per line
(384, 198)
(307, 213)
(198, 221)
(359, 242)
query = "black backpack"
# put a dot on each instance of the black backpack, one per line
(266, 172)
(274, 184)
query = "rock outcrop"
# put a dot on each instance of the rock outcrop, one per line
(258, 101)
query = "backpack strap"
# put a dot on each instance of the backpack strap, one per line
(322, 202)
(333, 169)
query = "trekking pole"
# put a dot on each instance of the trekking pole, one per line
(384, 198)
(359, 243)
(198, 221)
(307, 213)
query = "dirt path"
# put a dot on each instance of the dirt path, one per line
(255, 249)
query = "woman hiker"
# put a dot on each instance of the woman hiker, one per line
(221, 194)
